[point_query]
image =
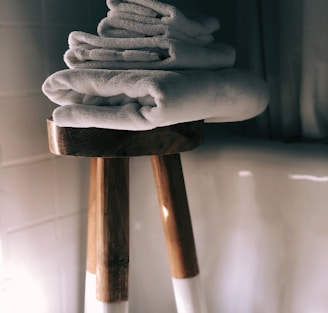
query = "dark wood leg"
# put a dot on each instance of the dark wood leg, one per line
(112, 219)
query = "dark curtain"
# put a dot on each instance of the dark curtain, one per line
(286, 41)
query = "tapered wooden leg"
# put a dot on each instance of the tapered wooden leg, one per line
(112, 233)
(90, 278)
(178, 233)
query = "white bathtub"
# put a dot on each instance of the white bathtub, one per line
(260, 218)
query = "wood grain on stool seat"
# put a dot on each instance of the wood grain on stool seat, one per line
(100, 142)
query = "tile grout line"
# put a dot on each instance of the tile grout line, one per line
(28, 160)
(43, 220)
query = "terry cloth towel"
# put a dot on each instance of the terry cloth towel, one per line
(141, 26)
(91, 51)
(155, 12)
(141, 99)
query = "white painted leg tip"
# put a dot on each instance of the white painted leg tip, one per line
(189, 295)
(92, 305)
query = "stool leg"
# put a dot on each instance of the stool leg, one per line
(178, 233)
(90, 278)
(112, 235)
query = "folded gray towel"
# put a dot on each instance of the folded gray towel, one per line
(141, 99)
(129, 23)
(91, 51)
(155, 12)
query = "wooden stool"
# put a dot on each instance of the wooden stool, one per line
(108, 216)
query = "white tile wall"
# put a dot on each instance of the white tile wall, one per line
(2, 270)
(28, 186)
(43, 199)
(31, 269)
(22, 59)
(18, 116)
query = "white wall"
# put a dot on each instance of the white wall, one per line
(259, 209)
(42, 199)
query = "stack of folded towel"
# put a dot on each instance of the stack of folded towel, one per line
(149, 35)
(150, 65)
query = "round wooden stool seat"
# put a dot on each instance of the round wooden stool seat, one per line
(99, 142)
